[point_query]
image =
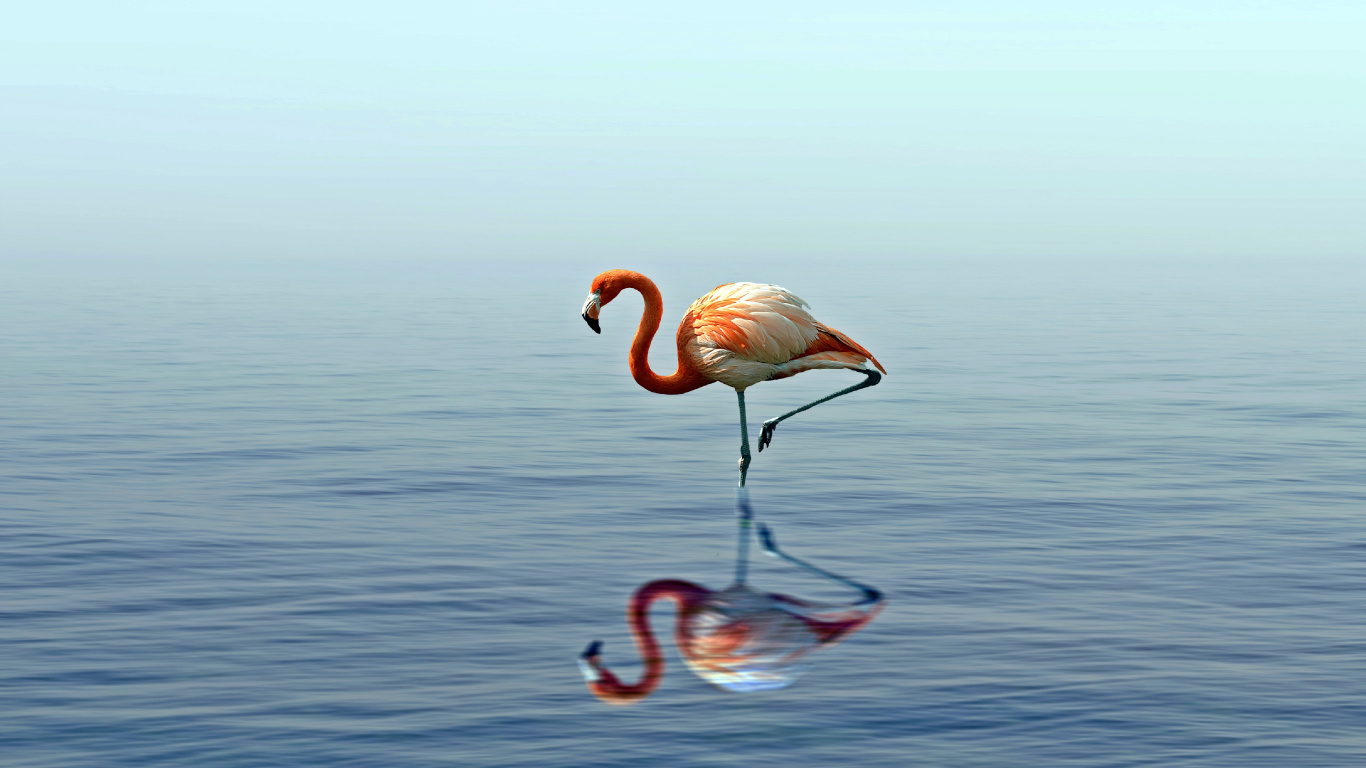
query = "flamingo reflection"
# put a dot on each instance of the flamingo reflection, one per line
(737, 639)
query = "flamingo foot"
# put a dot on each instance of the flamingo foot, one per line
(766, 434)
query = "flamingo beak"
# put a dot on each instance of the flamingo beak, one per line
(591, 308)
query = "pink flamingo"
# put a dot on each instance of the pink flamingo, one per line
(736, 639)
(739, 334)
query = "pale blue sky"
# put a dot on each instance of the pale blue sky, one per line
(615, 129)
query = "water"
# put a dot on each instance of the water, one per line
(368, 514)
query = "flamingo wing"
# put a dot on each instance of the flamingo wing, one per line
(831, 349)
(743, 333)
(765, 323)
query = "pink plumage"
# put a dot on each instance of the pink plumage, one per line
(745, 333)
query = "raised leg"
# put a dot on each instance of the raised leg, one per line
(766, 435)
(870, 595)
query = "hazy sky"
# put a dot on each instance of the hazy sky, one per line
(611, 129)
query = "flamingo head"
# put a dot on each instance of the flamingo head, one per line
(605, 287)
(591, 309)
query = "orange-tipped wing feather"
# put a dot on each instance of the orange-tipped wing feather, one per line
(831, 349)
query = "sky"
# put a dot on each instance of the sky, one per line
(607, 130)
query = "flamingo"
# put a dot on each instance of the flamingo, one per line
(738, 334)
(737, 639)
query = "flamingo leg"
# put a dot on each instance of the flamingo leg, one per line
(766, 434)
(744, 438)
(744, 515)
(870, 595)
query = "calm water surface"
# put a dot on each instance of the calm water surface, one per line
(369, 514)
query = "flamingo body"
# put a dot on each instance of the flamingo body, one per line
(743, 333)
(738, 334)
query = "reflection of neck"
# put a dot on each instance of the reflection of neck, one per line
(685, 378)
(688, 596)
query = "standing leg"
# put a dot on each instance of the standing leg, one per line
(766, 435)
(744, 439)
(743, 515)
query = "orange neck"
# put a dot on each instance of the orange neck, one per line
(688, 595)
(685, 378)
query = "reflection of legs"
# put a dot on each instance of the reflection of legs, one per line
(766, 435)
(870, 595)
(744, 438)
(745, 517)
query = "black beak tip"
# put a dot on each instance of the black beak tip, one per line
(593, 323)
(594, 648)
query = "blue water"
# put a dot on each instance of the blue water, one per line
(368, 514)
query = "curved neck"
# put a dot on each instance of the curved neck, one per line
(608, 687)
(685, 378)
